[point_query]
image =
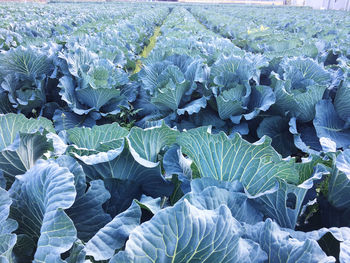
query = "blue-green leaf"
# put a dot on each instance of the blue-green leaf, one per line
(341, 100)
(328, 124)
(22, 157)
(285, 204)
(86, 212)
(339, 182)
(242, 208)
(7, 239)
(113, 235)
(280, 248)
(299, 104)
(97, 144)
(184, 233)
(256, 165)
(277, 128)
(77, 253)
(39, 198)
(304, 72)
(145, 144)
(12, 124)
(125, 168)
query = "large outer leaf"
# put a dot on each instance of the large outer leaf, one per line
(29, 62)
(145, 144)
(86, 212)
(339, 182)
(229, 102)
(7, 242)
(304, 71)
(277, 128)
(328, 124)
(242, 208)
(77, 253)
(22, 143)
(7, 239)
(39, 196)
(11, 124)
(5, 203)
(20, 159)
(298, 104)
(113, 235)
(64, 120)
(96, 98)
(305, 137)
(285, 204)
(175, 163)
(5, 106)
(193, 107)
(125, 168)
(199, 184)
(261, 98)
(122, 192)
(337, 245)
(256, 165)
(341, 101)
(97, 144)
(67, 92)
(184, 233)
(280, 248)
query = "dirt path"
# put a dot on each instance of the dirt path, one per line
(148, 48)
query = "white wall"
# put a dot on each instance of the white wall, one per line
(338, 5)
(298, 2)
(325, 4)
(317, 4)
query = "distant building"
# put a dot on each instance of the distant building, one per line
(249, 2)
(324, 4)
(338, 4)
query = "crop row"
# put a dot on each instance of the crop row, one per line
(279, 32)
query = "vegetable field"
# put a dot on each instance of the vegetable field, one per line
(149, 132)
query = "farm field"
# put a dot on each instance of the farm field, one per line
(173, 132)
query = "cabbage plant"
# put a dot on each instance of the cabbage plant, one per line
(91, 83)
(25, 74)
